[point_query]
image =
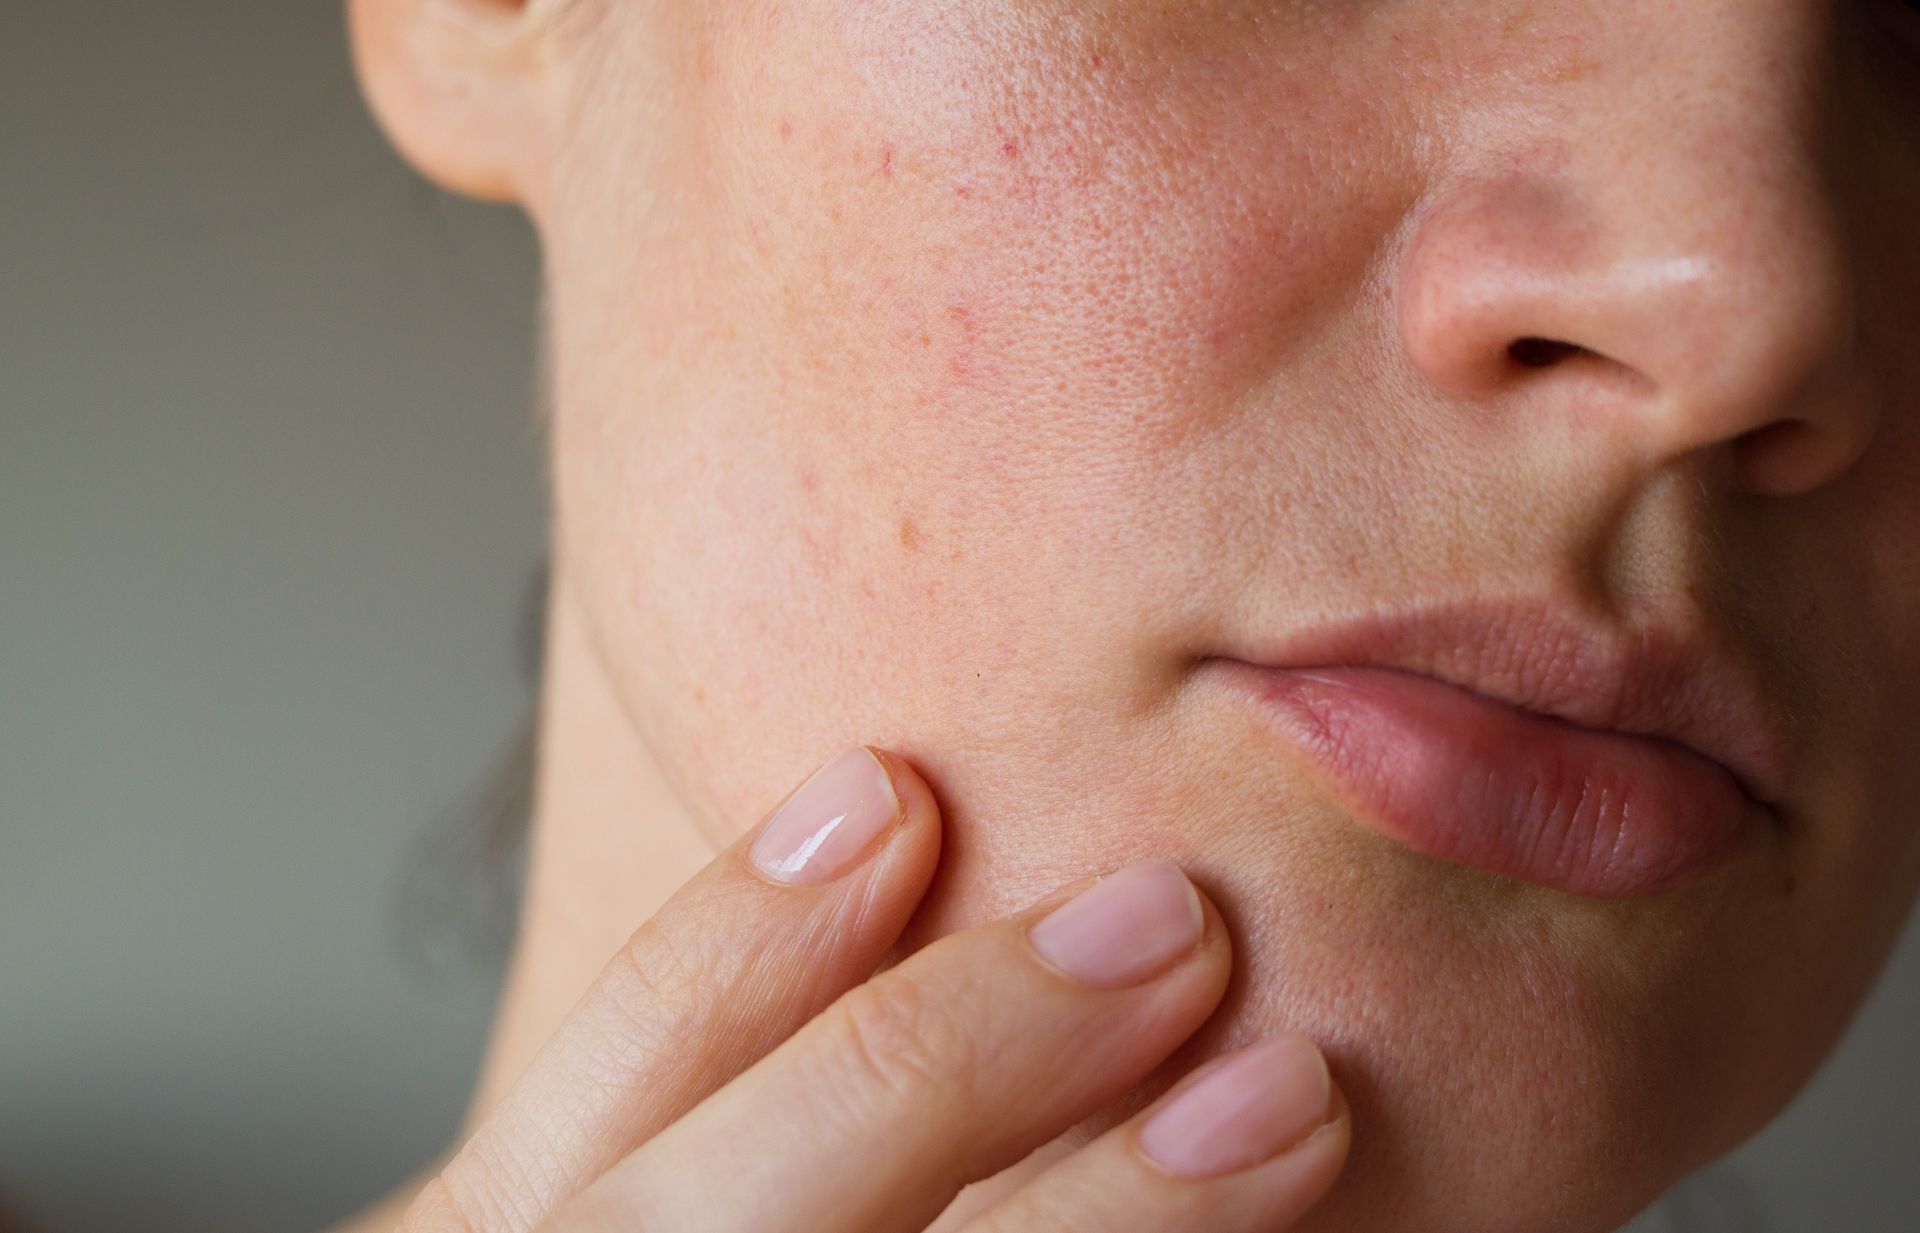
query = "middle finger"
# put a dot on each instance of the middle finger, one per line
(941, 1071)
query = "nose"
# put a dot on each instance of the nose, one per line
(1669, 263)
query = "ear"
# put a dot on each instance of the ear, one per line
(462, 89)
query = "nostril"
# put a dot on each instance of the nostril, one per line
(1540, 352)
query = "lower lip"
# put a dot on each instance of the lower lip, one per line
(1477, 782)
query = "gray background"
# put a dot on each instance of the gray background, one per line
(270, 503)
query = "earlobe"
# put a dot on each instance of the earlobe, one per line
(460, 88)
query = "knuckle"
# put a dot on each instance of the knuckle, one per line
(902, 1043)
(655, 971)
(657, 995)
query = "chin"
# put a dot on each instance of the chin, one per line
(1518, 1060)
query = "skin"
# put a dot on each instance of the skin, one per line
(957, 378)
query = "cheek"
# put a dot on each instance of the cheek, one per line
(1019, 299)
(979, 331)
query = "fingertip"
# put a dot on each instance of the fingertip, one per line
(1210, 962)
(918, 805)
(912, 850)
(1334, 1135)
(841, 817)
(1216, 937)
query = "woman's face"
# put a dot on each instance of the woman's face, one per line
(981, 378)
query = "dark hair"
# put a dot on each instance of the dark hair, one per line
(459, 892)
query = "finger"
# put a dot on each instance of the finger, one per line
(773, 930)
(1246, 1144)
(942, 1070)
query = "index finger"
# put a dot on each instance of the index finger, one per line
(799, 910)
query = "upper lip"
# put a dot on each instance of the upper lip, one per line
(1649, 680)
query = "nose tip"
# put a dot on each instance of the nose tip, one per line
(1736, 335)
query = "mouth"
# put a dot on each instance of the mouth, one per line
(1467, 779)
(1516, 741)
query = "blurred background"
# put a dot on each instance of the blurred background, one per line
(271, 512)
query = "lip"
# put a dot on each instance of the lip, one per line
(1518, 739)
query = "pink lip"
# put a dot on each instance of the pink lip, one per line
(1512, 740)
(1470, 780)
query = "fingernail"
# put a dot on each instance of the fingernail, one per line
(1265, 1098)
(1124, 928)
(830, 823)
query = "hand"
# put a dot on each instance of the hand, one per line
(739, 1068)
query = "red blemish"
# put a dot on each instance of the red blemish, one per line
(886, 160)
(1010, 148)
(1094, 59)
(963, 190)
(809, 479)
(961, 362)
(819, 550)
(786, 130)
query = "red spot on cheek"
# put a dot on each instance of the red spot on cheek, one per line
(1010, 148)
(886, 161)
(786, 130)
(963, 190)
(809, 479)
(961, 361)
(1094, 59)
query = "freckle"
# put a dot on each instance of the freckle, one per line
(786, 130)
(909, 535)
(926, 340)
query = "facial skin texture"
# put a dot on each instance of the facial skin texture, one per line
(957, 377)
